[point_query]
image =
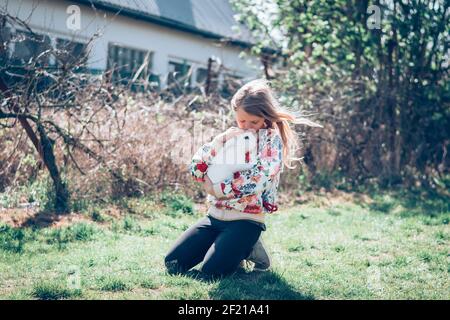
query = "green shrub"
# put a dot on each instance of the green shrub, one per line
(178, 202)
(127, 225)
(39, 191)
(77, 232)
(97, 216)
(327, 180)
(80, 205)
(82, 231)
(130, 224)
(12, 239)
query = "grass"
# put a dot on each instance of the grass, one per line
(54, 291)
(77, 232)
(112, 284)
(11, 239)
(350, 250)
(177, 202)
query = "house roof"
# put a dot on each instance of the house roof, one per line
(208, 18)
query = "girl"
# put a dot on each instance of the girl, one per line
(238, 205)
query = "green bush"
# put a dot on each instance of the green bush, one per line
(130, 224)
(97, 216)
(82, 231)
(178, 202)
(77, 232)
(127, 225)
(324, 180)
(40, 191)
(12, 239)
(80, 205)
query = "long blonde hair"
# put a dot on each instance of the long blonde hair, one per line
(256, 98)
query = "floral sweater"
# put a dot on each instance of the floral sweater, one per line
(249, 192)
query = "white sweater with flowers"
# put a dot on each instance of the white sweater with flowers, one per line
(249, 194)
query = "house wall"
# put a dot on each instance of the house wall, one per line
(50, 17)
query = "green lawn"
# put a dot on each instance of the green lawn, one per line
(389, 249)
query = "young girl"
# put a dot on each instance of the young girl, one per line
(238, 205)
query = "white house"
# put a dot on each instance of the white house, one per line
(172, 34)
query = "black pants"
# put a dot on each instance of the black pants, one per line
(221, 245)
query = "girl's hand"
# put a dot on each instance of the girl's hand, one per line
(209, 188)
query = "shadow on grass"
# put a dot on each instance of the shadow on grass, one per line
(250, 285)
(41, 219)
(409, 204)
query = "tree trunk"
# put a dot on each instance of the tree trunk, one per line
(44, 148)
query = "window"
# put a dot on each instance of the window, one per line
(71, 52)
(202, 73)
(128, 63)
(179, 76)
(29, 46)
(26, 50)
(202, 77)
(5, 38)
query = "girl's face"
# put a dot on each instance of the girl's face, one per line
(248, 121)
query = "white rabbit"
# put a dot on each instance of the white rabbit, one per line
(232, 157)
